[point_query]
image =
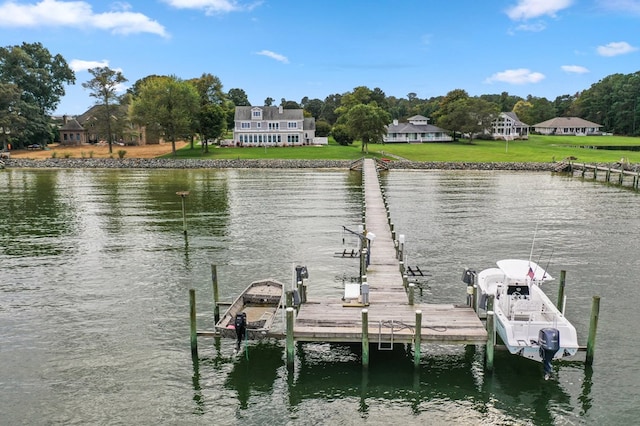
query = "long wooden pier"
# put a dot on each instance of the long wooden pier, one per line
(390, 315)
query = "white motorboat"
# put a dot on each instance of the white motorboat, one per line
(526, 320)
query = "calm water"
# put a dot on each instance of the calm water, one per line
(94, 296)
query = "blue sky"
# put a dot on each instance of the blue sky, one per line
(291, 49)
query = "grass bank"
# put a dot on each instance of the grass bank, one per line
(538, 149)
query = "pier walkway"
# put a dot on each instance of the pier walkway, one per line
(389, 315)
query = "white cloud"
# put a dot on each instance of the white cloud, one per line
(82, 65)
(527, 9)
(517, 76)
(77, 14)
(574, 69)
(616, 48)
(273, 55)
(534, 28)
(212, 7)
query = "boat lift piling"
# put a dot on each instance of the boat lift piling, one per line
(216, 296)
(593, 326)
(194, 330)
(183, 196)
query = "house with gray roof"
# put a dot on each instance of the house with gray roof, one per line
(567, 126)
(416, 130)
(508, 126)
(272, 126)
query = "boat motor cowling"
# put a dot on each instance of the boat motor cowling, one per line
(468, 277)
(549, 341)
(240, 324)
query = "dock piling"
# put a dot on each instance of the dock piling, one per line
(563, 275)
(491, 335)
(365, 338)
(290, 345)
(593, 326)
(183, 196)
(194, 330)
(412, 287)
(417, 338)
(216, 296)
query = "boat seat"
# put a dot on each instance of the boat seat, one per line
(523, 309)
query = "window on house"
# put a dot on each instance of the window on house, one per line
(258, 125)
(292, 125)
(245, 125)
(257, 114)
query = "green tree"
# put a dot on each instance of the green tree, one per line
(523, 110)
(269, 101)
(367, 123)
(314, 107)
(323, 128)
(341, 135)
(11, 118)
(212, 119)
(103, 87)
(40, 77)
(213, 124)
(168, 102)
(468, 115)
(238, 97)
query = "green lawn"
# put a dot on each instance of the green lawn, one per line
(537, 149)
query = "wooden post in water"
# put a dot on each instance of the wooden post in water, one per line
(491, 335)
(290, 345)
(216, 296)
(289, 298)
(563, 275)
(417, 338)
(194, 330)
(183, 195)
(593, 327)
(365, 337)
(412, 287)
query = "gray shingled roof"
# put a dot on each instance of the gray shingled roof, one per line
(413, 128)
(515, 119)
(269, 113)
(562, 122)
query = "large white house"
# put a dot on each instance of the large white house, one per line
(509, 126)
(416, 130)
(272, 126)
(567, 126)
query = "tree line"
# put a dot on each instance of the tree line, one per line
(32, 82)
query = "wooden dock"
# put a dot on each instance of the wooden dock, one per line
(389, 313)
(614, 174)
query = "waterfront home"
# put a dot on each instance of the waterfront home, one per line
(416, 130)
(272, 126)
(508, 126)
(567, 126)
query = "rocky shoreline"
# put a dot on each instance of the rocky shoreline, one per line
(157, 163)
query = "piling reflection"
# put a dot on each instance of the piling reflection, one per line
(255, 371)
(331, 372)
(517, 385)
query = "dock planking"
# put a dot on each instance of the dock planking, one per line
(390, 316)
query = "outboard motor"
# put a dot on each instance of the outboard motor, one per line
(301, 273)
(469, 278)
(241, 327)
(549, 340)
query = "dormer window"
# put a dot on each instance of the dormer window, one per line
(256, 114)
